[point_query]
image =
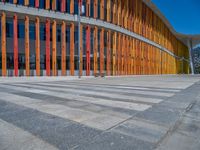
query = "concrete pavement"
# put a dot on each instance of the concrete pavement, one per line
(136, 113)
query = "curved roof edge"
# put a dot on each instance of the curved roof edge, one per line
(184, 38)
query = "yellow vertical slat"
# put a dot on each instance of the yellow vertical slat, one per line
(27, 46)
(63, 48)
(54, 49)
(3, 43)
(37, 45)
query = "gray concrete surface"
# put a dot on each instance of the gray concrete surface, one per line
(112, 113)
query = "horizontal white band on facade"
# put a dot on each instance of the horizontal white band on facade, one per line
(25, 10)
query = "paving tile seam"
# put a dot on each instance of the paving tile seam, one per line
(95, 96)
(31, 136)
(50, 113)
(114, 86)
(118, 104)
(99, 87)
(73, 122)
(100, 92)
(65, 100)
(175, 126)
(129, 93)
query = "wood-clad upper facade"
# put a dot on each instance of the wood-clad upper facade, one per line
(34, 45)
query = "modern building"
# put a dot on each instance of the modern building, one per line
(117, 37)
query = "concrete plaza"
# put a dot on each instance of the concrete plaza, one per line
(112, 113)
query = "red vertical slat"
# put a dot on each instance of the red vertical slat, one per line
(48, 47)
(63, 4)
(15, 44)
(88, 50)
(37, 3)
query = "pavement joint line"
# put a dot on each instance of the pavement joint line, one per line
(175, 126)
(100, 96)
(77, 97)
(108, 87)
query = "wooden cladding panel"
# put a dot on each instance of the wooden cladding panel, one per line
(72, 49)
(87, 51)
(15, 43)
(3, 43)
(37, 45)
(27, 46)
(102, 51)
(63, 48)
(108, 46)
(47, 47)
(54, 48)
(81, 51)
(114, 53)
(95, 50)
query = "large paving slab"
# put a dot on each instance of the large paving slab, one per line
(119, 113)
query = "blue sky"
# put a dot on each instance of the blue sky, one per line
(184, 15)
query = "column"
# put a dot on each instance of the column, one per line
(37, 45)
(114, 53)
(72, 49)
(37, 4)
(108, 68)
(95, 8)
(47, 4)
(15, 44)
(119, 54)
(102, 9)
(63, 48)
(102, 51)
(3, 43)
(26, 2)
(63, 5)
(53, 4)
(108, 10)
(27, 46)
(54, 49)
(87, 8)
(47, 42)
(87, 51)
(95, 50)
(71, 6)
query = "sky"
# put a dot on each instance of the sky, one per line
(183, 15)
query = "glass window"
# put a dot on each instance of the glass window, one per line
(83, 13)
(84, 48)
(32, 31)
(58, 5)
(20, 2)
(32, 45)
(76, 48)
(98, 7)
(91, 9)
(68, 6)
(58, 33)
(21, 31)
(42, 32)
(9, 1)
(75, 6)
(9, 28)
(10, 60)
(42, 4)
(32, 3)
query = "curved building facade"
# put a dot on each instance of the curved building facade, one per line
(117, 37)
